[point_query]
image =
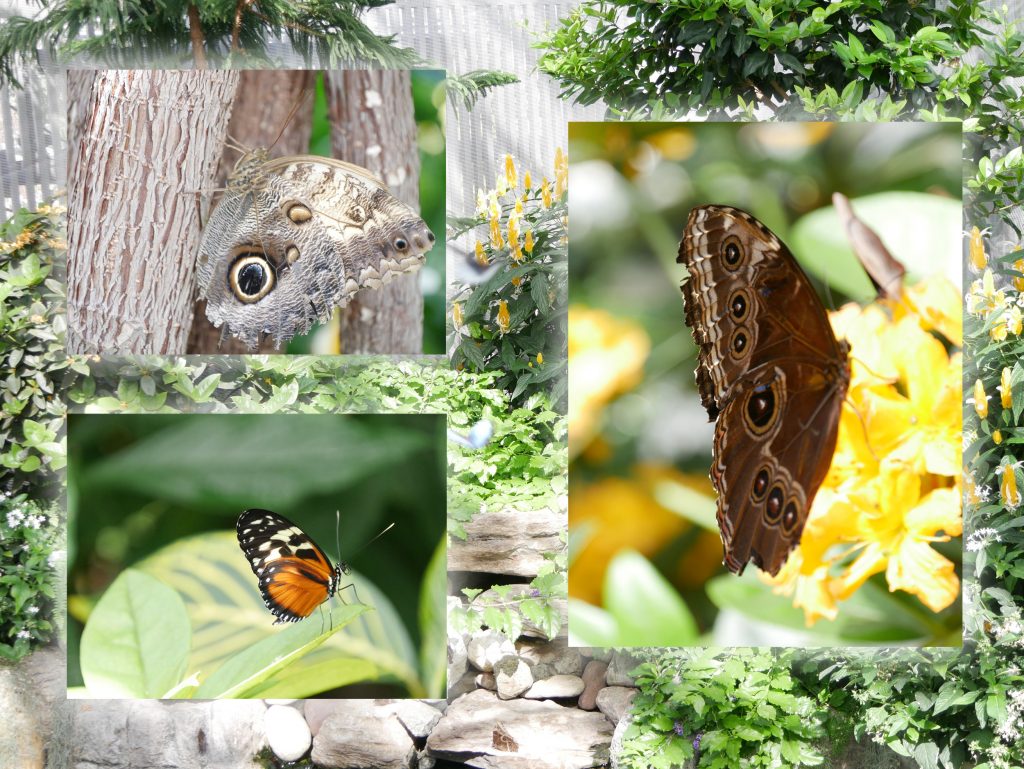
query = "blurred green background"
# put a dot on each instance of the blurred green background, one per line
(137, 483)
(429, 105)
(637, 428)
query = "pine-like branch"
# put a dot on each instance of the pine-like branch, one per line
(472, 86)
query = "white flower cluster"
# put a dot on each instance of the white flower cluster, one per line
(17, 518)
(980, 539)
(23, 634)
(1012, 729)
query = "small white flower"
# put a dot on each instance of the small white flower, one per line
(33, 610)
(980, 539)
(24, 634)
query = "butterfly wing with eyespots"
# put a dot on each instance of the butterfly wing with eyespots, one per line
(770, 373)
(293, 238)
(295, 575)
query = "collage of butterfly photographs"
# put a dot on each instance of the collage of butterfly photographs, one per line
(512, 384)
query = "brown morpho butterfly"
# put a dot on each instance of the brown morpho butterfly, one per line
(294, 237)
(770, 373)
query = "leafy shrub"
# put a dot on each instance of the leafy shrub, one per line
(739, 709)
(514, 320)
(29, 536)
(853, 58)
(32, 351)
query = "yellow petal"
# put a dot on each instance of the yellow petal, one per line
(921, 571)
(977, 251)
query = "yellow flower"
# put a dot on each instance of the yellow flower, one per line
(938, 305)
(540, 358)
(983, 298)
(1009, 494)
(497, 241)
(513, 237)
(997, 436)
(898, 524)
(501, 185)
(545, 193)
(1009, 323)
(457, 315)
(481, 256)
(528, 243)
(493, 207)
(481, 203)
(516, 282)
(519, 206)
(1005, 391)
(980, 400)
(976, 250)
(510, 172)
(527, 181)
(503, 317)
(561, 173)
(606, 358)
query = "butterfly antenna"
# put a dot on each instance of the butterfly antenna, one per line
(291, 115)
(864, 426)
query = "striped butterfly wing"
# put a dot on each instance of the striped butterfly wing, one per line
(295, 575)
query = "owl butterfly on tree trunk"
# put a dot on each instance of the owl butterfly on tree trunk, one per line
(294, 237)
(770, 373)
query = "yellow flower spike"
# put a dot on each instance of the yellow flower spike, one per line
(497, 241)
(519, 206)
(494, 207)
(501, 185)
(527, 181)
(510, 172)
(503, 316)
(980, 399)
(1014, 320)
(457, 315)
(1009, 495)
(540, 358)
(481, 256)
(983, 298)
(545, 193)
(997, 436)
(976, 250)
(1005, 392)
(481, 203)
(528, 242)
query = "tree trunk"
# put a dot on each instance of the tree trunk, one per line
(262, 111)
(150, 141)
(374, 127)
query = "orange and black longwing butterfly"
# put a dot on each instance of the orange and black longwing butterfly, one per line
(295, 575)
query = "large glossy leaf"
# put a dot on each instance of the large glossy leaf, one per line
(136, 642)
(921, 231)
(646, 608)
(228, 616)
(236, 460)
(434, 622)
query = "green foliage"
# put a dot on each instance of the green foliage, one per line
(513, 321)
(473, 85)
(742, 708)
(940, 708)
(851, 59)
(29, 536)
(32, 325)
(124, 35)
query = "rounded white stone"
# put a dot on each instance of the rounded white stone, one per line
(287, 732)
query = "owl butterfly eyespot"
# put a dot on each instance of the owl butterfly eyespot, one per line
(294, 237)
(771, 375)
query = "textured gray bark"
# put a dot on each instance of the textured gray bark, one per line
(374, 126)
(149, 141)
(262, 111)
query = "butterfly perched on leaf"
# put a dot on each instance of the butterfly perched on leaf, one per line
(295, 575)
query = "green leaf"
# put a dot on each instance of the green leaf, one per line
(433, 622)
(136, 642)
(646, 608)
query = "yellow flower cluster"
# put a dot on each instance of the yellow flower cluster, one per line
(606, 358)
(893, 486)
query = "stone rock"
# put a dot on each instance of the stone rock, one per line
(619, 668)
(457, 658)
(603, 655)
(154, 734)
(463, 685)
(362, 733)
(486, 648)
(31, 694)
(417, 716)
(615, 701)
(486, 681)
(545, 734)
(424, 761)
(593, 682)
(556, 688)
(316, 712)
(287, 732)
(508, 542)
(552, 658)
(512, 677)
